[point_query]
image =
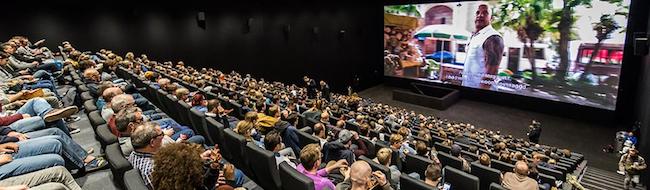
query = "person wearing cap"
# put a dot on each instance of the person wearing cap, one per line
(340, 148)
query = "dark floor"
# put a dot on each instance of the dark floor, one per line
(582, 137)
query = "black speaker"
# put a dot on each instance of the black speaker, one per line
(286, 30)
(200, 19)
(247, 25)
(341, 34)
(640, 43)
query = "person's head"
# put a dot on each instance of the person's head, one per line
(163, 82)
(396, 141)
(566, 153)
(8, 48)
(121, 102)
(147, 137)
(111, 92)
(360, 174)
(319, 130)
(324, 117)
(273, 141)
(128, 118)
(421, 148)
(92, 74)
(345, 136)
(245, 128)
(274, 111)
(405, 132)
(633, 153)
(250, 116)
(521, 168)
(384, 156)
(432, 175)
(213, 106)
(340, 124)
(179, 167)
(485, 159)
(197, 99)
(3, 58)
(310, 157)
(483, 17)
(182, 93)
(455, 150)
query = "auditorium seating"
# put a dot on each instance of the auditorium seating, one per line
(408, 182)
(459, 179)
(264, 166)
(417, 164)
(133, 180)
(486, 175)
(294, 180)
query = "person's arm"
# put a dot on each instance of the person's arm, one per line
(4, 138)
(20, 65)
(493, 48)
(5, 121)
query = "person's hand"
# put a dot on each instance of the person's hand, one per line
(341, 163)
(168, 132)
(35, 62)
(355, 135)
(23, 72)
(25, 116)
(9, 147)
(184, 136)
(345, 171)
(5, 158)
(15, 187)
(20, 136)
(381, 178)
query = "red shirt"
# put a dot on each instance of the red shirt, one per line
(7, 120)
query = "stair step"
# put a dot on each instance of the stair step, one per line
(602, 183)
(592, 187)
(604, 179)
(616, 177)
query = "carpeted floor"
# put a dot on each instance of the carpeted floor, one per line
(578, 136)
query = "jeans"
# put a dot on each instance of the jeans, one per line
(71, 151)
(35, 107)
(39, 179)
(36, 123)
(29, 164)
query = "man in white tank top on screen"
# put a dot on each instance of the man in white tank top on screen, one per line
(484, 52)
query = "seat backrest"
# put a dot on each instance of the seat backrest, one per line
(197, 119)
(555, 173)
(370, 146)
(408, 182)
(441, 148)
(171, 103)
(214, 129)
(151, 94)
(105, 136)
(294, 180)
(264, 167)
(306, 139)
(417, 164)
(95, 118)
(377, 167)
(500, 165)
(184, 113)
(119, 164)
(486, 174)
(547, 179)
(162, 96)
(496, 186)
(89, 106)
(133, 180)
(235, 144)
(449, 160)
(459, 179)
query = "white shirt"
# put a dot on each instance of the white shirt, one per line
(475, 61)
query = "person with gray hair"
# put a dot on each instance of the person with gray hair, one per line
(147, 140)
(125, 122)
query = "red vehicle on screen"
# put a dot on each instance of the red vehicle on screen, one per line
(607, 61)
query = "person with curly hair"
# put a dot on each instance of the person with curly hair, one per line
(181, 166)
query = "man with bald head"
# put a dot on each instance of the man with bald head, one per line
(484, 52)
(518, 179)
(361, 177)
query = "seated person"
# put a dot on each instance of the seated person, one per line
(198, 103)
(433, 176)
(310, 160)
(397, 143)
(182, 94)
(339, 149)
(273, 143)
(247, 129)
(190, 173)
(220, 114)
(518, 179)
(456, 152)
(56, 177)
(361, 176)
(320, 132)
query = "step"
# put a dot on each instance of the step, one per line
(603, 182)
(606, 176)
(603, 179)
(601, 185)
(592, 187)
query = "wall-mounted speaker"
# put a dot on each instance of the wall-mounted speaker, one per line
(341, 34)
(200, 19)
(640, 43)
(248, 24)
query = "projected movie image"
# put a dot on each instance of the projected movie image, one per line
(568, 51)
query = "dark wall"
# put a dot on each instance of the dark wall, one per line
(280, 43)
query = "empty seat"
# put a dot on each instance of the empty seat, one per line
(198, 124)
(486, 174)
(264, 167)
(82, 88)
(417, 164)
(449, 160)
(119, 164)
(133, 180)
(408, 182)
(294, 180)
(459, 179)
(306, 139)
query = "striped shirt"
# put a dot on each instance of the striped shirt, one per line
(144, 163)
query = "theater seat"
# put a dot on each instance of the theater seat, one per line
(417, 164)
(496, 186)
(408, 182)
(235, 144)
(264, 167)
(85, 96)
(95, 119)
(306, 139)
(547, 179)
(486, 174)
(171, 102)
(82, 88)
(370, 146)
(215, 130)
(459, 179)
(161, 94)
(89, 106)
(183, 113)
(133, 180)
(119, 164)
(504, 167)
(105, 136)
(198, 125)
(551, 172)
(449, 160)
(294, 180)
(442, 148)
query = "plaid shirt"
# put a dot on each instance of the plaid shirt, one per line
(144, 163)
